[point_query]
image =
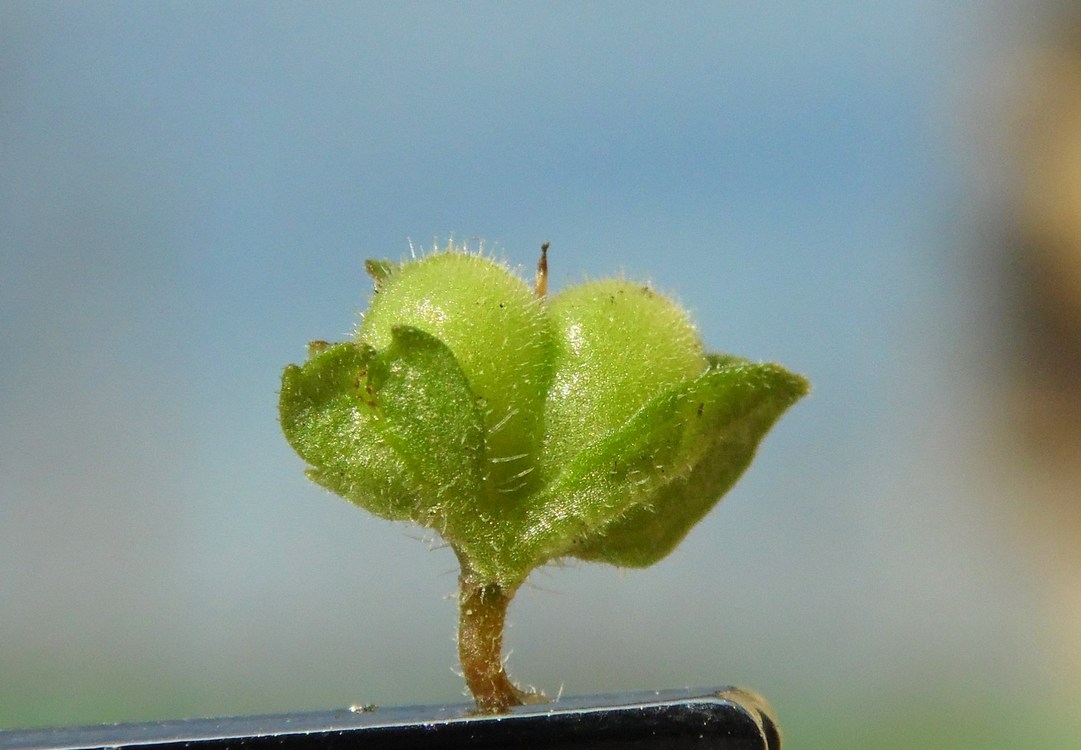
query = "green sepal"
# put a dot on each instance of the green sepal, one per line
(631, 497)
(397, 432)
(726, 412)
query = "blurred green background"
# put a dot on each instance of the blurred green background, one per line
(188, 191)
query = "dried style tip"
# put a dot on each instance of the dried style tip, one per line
(541, 289)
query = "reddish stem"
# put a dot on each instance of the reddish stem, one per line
(482, 614)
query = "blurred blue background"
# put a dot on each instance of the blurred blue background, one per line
(188, 192)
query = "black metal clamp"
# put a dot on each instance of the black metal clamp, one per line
(725, 718)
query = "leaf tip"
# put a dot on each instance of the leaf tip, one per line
(380, 269)
(317, 347)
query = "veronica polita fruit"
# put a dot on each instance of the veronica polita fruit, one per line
(524, 428)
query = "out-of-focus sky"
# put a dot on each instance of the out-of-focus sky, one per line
(187, 194)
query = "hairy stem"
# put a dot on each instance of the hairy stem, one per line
(482, 614)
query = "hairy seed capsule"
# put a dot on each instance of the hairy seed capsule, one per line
(618, 345)
(497, 330)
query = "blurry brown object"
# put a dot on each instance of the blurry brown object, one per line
(1046, 255)
(1041, 313)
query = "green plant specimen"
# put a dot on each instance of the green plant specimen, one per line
(525, 428)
